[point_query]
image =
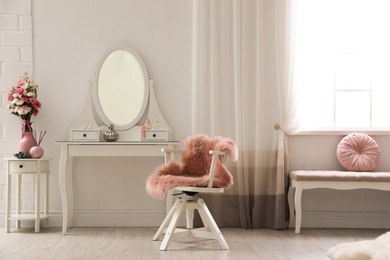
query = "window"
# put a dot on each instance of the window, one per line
(342, 63)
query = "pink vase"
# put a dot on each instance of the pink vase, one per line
(36, 151)
(26, 142)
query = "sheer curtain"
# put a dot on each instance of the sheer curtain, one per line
(241, 87)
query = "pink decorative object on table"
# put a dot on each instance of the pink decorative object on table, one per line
(37, 151)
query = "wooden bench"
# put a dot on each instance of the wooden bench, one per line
(339, 180)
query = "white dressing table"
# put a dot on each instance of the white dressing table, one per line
(120, 94)
(71, 149)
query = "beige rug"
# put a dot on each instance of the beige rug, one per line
(377, 249)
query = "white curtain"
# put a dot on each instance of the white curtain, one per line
(241, 88)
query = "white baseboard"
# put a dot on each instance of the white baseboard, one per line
(153, 218)
(99, 217)
(344, 219)
(131, 218)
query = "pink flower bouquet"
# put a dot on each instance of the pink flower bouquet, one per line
(23, 98)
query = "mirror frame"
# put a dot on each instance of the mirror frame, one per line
(102, 118)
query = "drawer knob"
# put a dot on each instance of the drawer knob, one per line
(154, 135)
(21, 166)
(85, 135)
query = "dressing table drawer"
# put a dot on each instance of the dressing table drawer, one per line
(84, 135)
(155, 135)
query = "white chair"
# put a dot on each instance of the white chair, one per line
(190, 202)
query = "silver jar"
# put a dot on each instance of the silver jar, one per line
(111, 135)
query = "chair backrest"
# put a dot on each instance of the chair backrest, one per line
(215, 156)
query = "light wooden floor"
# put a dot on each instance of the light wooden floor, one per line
(136, 243)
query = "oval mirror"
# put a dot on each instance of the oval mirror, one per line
(120, 90)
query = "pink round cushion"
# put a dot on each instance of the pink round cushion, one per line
(358, 152)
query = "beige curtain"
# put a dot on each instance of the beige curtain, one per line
(241, 89)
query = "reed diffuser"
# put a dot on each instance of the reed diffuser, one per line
(37, 150)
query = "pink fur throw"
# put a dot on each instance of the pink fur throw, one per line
(194, 167)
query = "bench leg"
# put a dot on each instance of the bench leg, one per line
(298, 207)
(291, 205)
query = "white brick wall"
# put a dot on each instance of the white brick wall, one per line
(16, 57)
(15, 7)
(10, 54)
(9, 22)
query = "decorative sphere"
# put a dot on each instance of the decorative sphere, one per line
(36, 152)
(111, 135)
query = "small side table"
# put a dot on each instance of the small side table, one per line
(19, 167)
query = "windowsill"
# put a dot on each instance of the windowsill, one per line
(345, 131)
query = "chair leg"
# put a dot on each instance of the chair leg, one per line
(190, 218)
(169, 199)
(164, 224)
(178, 209)
(209, 222)
(210, 230)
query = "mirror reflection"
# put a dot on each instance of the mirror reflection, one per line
(120, 91)
(120, 87)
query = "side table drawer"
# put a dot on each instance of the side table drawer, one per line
(21, 166)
